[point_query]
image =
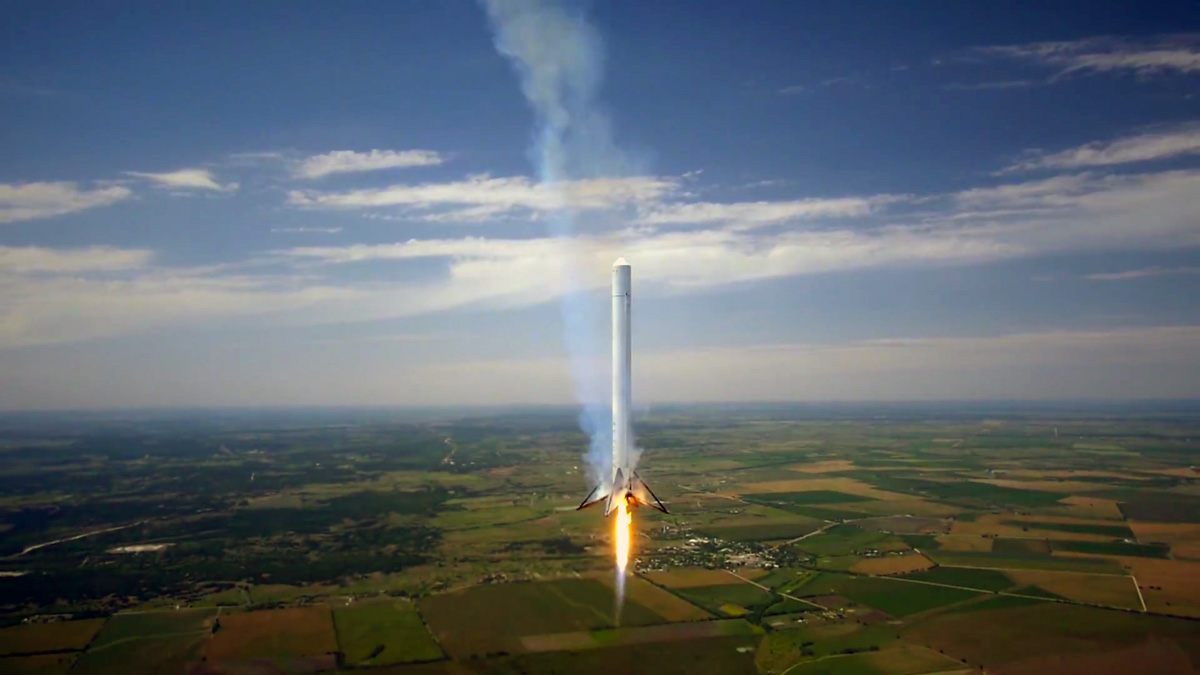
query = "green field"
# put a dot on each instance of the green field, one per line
(996, 602)
(142, 655)
(1099, 565)
(899, 598)
(713, 598)
(986, 580)
(43, 664)
(841, 540)
(1018, 547)
(811, 497)
(32, 638)
(383, 632)
(1113, 548)
(818, 512)
(490, 618)
(1115, 531)
(138, 625)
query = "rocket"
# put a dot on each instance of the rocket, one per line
(624, 482)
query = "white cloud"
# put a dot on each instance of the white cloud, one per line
(1159, 55)
(29, 201)
(1128, 275)
(792, 90)
(306, 230)
(753, 214)
(1153, 362)
(35, 259)
(484, 197)
(349, 161)
(185, 179)
(1162, 144)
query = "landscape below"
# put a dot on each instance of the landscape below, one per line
(890, 540)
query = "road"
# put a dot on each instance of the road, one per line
(30, 549)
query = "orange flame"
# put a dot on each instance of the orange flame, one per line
(624, 520)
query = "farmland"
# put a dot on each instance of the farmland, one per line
(827, 540)
(383, 632)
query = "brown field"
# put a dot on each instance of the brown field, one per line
(909, 658)
(1073, 473)
(1093, 507)
(1155, 655)
(663, 603)
(692, 578)
(913, 505)
(892, 564)
(1099, 589)
(1184, 538)
(1180, 472)
(637, 635)
(907, 525)
(827, 466)
(43, 664)
(969, 544)
(32, 638)
(990, 524)
(847, 485)
(1044, 485)
(298, 632)
(1047, 629)
(1169, 586)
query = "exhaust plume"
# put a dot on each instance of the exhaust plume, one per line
(558, 56)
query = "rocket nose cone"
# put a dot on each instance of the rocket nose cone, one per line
(621, 262)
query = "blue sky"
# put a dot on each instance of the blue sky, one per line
(418, 203)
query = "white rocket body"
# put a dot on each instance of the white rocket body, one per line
(625, 483)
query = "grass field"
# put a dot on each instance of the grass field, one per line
(1000, 562)
(33, 638)
(138, 625)
(899, 598)
(985, 580)
(1045, 629)
(377, 633)
(841, 540)
(663, 603)
(900, 659)
(994, 603)
(892, 564)
(716, 598)
(1112, 548)
(491, 618)
(811, 497)
(1015, 546)
(732, 655)
(43, 664)
(689, 578)
(1090, 588)
(278, 634)
(1114, 531)
(167, 654)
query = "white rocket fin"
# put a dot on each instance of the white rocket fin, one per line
(641, 492)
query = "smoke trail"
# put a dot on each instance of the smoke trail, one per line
(559, 58)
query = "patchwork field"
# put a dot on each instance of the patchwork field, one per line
(492, 618)
(670, 607)
(1087, 588)
(892, 564)
(690, 578)
(42, 664)
(382, 632)
(278, 634)
(34, 638)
